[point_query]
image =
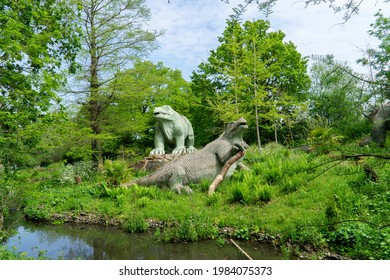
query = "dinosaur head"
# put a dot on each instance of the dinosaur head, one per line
(164, 113)
(236, 128)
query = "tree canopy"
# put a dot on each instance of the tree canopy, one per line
(252, 70)
(37, 40)
(113, 35)
(379, 59)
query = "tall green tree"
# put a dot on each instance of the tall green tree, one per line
(337, 96)
(113, 35)
(252, 73)
(37, 40)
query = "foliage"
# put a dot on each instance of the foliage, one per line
(252, 70)
(7, 193)
(12, 255)
(297, 199)
(113, 35)
(349, 8)
(378, 59)
(136, 223)
(337, 97)
(191, 228)
(83, 169)
(116, 172)
(63, 140)
(320, 132)
(37, 40)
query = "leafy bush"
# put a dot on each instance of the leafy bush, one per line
(115, 193)
(36, 212)
(237, 193)
(136, 223)
(321, 132)
(191, 228)
(263, 193)
(84, 169)
(361, 241)
(141, 191)
(116, 172)
(212, 200)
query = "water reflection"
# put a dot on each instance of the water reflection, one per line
(97, 243)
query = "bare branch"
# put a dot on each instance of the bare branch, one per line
(219, 178)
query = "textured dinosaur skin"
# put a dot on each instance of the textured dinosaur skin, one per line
(172, 128)
(204, 163)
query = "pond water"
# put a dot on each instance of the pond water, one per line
(87, 242)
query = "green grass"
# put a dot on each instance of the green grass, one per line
(306, 200)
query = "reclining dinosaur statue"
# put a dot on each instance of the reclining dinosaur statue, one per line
(381, 124)
(204, 163)
(172, 128)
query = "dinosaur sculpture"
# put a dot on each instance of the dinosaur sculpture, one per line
(381, 124)
(204, 163)
(172, 128)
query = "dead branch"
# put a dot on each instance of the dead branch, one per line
(241, 250)
(219, 178)
(358, 156)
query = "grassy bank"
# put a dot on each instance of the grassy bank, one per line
(303, 202)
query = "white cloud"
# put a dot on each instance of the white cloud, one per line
(192, 28)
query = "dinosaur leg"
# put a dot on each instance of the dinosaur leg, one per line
(176, 181)
(180, 145)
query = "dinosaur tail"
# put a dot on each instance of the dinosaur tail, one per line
(139, 181)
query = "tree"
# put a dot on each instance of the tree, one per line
(379, 59)
(337, 96)
(113, 36)
(252, 70)
(37, 39)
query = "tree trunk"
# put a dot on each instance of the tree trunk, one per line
(257, 129)
(276, 132)
(93, 105)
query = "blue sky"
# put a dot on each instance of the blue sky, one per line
(193, 26)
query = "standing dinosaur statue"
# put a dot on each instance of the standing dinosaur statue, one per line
(204, 163)
(172, 128)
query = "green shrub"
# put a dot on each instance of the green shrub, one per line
(212, 200)
(143, 202)
(273, 172)
(263, 193)
(142, 191)
(191, 228)
(136, 223)
(237, 193)
(203, 186)
(291, 183)
(114, 193)
(36, 212)
(242, 233)
(116, 172)
(84, 169)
